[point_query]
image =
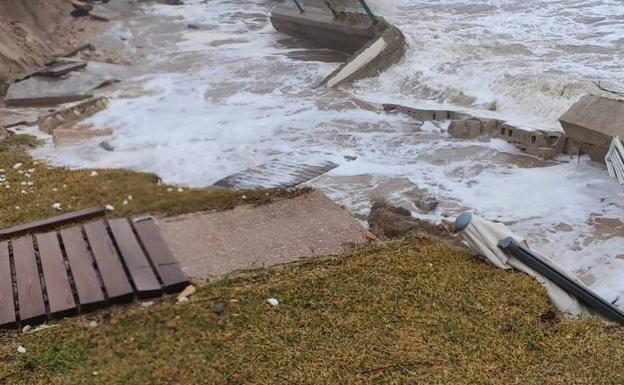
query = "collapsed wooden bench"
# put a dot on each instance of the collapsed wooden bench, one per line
(83, 267)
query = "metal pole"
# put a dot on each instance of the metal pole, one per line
(585, 295)
(368, 11)
(298, 5)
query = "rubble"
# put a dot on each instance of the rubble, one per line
(68, 116)
(592, 123)
(542, 144)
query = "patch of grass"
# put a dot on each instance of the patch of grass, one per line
(413, 313)
(18, 143)
(33, 188)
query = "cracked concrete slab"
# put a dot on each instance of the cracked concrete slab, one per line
(211, 245)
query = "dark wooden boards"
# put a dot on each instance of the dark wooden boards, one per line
(48, 223)
(60, 296)
(140, 270)
(83, 267)
(114, 278)
(87, 283)
(29, 291)
(167, 267)
(61, 68)
(7, 303)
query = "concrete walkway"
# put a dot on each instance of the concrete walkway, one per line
(211, 245)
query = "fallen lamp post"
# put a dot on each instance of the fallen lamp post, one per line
(586, 296)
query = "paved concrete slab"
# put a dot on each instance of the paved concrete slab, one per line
(211, 245)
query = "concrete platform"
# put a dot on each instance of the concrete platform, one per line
(211, 245)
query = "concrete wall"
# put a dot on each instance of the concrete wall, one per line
(375, 56)
(318, 26)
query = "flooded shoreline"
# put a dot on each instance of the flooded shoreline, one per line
(203, 103)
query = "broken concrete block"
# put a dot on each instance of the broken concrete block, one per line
(488, 126)
(545, 153)
(68, 136)
(592, 122)
(465, 128)
(81, 5)
(571, 147)
(68, 116)
(385, 49)
(521, 137)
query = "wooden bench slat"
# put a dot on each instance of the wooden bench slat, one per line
(87, 283)
(60, 295)
(111, 270)
(7, 304)
(166, 265)
(48, 223)
(143, 276)
(29, 293)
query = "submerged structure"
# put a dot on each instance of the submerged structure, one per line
(348, 26)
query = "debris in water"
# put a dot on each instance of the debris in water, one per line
(107, 146)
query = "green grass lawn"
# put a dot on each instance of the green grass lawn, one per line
(413, 313)
(35, 187)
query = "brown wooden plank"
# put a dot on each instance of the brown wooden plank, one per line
(7, 304)
(166, 265)
(48, 223)
(46, 101)
(143, 276)
(29, 294)
(87, 283)
(111, 270)
(62, 68)
(60, 296)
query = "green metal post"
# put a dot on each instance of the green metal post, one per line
(368, 11)
(298, 5)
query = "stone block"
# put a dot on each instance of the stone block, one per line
(69, 136)
(67, 116)
(465, 128)
(594, 120)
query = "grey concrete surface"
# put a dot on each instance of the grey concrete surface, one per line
(318, 26)
(211, 245)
